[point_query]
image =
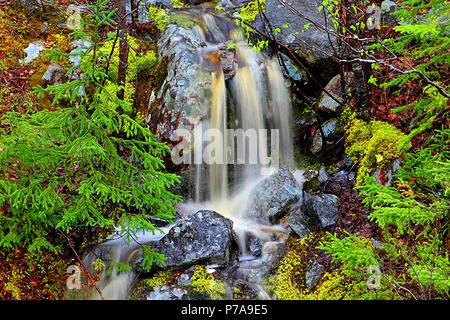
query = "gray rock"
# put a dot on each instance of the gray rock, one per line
(204, 237)
(44, 28)
(184, 280)
(339, 181)
(326, 103)
(292, 71)
(328, 128)
(272, 197)
(53, 74)
(32, 6)
(298, 223)
(80, 46)
(312, 45)
(167, 293)
(255, 247)
(323, 175)
(389, 174)
(33, 50)
(313, 273)
(387, 8)
(186, 87)
(322, 210)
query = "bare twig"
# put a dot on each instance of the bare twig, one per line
(88, 273)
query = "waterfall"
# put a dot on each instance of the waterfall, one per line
(248, 136)
(254, 104)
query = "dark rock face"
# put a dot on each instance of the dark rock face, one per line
(273, 196)
(314, 46)
(322, 210)
(204, 237)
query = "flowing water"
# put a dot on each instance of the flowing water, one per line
(251, 96)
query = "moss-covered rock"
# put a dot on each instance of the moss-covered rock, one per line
(373, 144)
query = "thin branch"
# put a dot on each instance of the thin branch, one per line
(88, 273)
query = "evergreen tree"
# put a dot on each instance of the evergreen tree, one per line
(88, 164)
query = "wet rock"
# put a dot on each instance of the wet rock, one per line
(298, 223)
(312, 45)
(272, 197)
(272, 252)
(322, 210)
(33, 50)
(33, 6)
(313, 273)
(326, 103)
(291, 71)
(186, 87)
(338, 182)
(328, 129)
(44, 28)
(167, 293)
(255, 247)
(53, 74)
(255, 271)
(184, 280)
(227, 59)
(345, 164)
(204, 237)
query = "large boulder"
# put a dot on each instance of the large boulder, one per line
(186, 88)
(312, 44)
(272, 197)
(204, 237)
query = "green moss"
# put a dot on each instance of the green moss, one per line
(372, 144)
(181, 19)
(248, 13)
(250, 10)
(288, 282)
(159, 16)
(136, 63)
(203, 282)
(159, 279)
(282, 284)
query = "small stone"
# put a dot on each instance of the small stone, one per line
(44, 28)
(33, 51)
(53, 74)
(313, 274)
(255, 247)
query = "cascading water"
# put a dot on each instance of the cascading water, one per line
(248, 94)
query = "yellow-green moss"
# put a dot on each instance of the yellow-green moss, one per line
(203, 282)
(288, 282)
(248, 13)
(372, 144)
(159, 16)
(159, 279)
(181, 19)
(250, 10)
(136, 63)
